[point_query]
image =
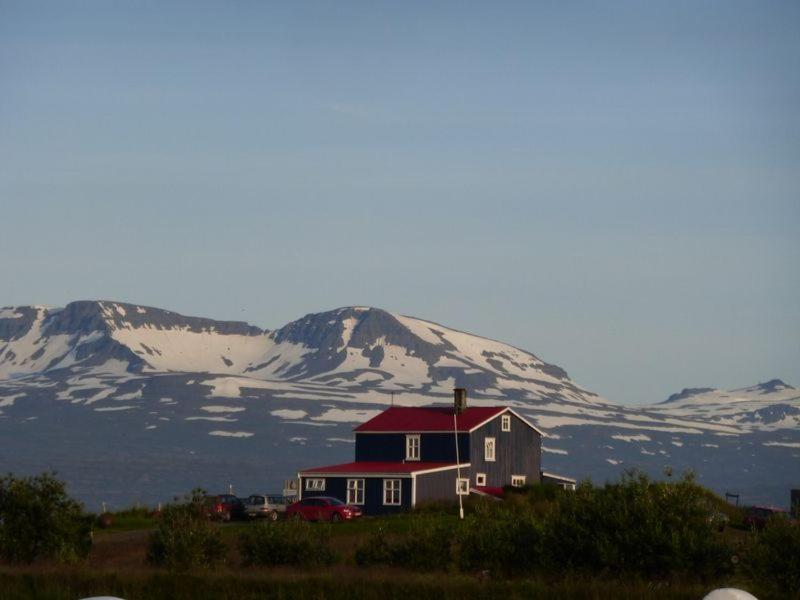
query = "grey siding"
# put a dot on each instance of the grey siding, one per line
(438, 486)
(518, 452)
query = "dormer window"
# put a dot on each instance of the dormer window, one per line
(505, 422)
(412, 447)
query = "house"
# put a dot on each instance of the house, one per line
(407, 455)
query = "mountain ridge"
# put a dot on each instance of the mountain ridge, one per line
(205, 393)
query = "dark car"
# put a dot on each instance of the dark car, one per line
(322, 508)
(225, 507)
(756, 517)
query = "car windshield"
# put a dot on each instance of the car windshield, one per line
(255, 500)
(336, 502)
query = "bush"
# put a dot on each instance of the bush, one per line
(39, 520)
(637, 526)
(286, 543)
(772, 557)
(185, 537)
(426, 546)
(501, 541)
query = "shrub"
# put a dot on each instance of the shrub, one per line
(426, 546)
(501, 541)
(772, 557)
(286, 543)
(636, 526)
(185, 537)
(39, 520)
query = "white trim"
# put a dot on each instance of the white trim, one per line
(462, 482)
(356, 489)
(486, 441)
(556, 476)
(505, 422)
(478, 483)
(413, 490)
(410, 437)
(382, 474)
(513, 412)
(399, 491)
(518, 477)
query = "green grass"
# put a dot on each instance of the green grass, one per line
(385, 585)
(131, 519)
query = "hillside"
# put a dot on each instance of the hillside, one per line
(132, 402)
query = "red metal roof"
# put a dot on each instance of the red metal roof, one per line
(429, 418)
(381, 467)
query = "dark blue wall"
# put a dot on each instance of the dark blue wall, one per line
(373, 493)
(434, 447)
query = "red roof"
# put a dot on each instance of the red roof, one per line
(429, 418)
(382, 467)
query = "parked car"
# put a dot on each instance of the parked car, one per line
(756, 517)
(322, 508)
(224, 507)
(266, 506)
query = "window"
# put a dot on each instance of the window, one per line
(480, 478)
(412, 447)
(317, 485)
(355, 491)
(505, 422)
(518, 480)
(462, 487)
(391, 492)
(488, 449)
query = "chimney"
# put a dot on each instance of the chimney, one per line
(460, 400)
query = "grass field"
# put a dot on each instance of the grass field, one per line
(117, 566)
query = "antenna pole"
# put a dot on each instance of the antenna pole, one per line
(458, 468)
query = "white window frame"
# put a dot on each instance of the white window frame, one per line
(315, 484)
(413, 447)
(480, 479)
(395, 488)
(489, 443)
(505, 422)
(355, 491)
(518, 480)
(462, 486)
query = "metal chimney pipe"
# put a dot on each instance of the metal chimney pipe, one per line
(460, 400)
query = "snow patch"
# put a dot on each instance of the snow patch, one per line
(233, 434)
(222, 409)
(287, 413)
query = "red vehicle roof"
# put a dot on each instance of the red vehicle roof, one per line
(428, 418)
(398, 467)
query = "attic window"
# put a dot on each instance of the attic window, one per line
(506, 422)
(412, 447)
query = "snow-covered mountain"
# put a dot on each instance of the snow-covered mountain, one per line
(132, 402)
(770, 406)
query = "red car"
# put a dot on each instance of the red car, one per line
(224, 507)
(322, 508)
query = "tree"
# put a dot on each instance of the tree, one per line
(39, 520)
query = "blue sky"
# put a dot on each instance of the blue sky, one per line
(612, 186)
